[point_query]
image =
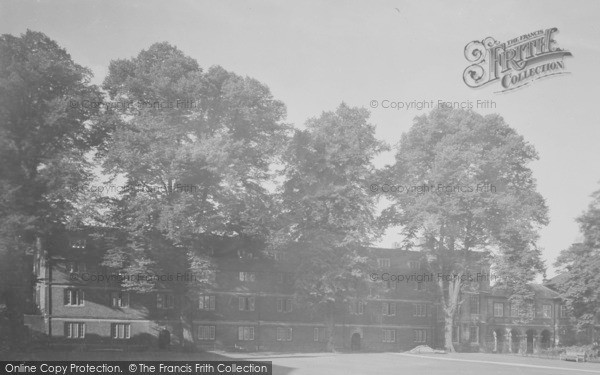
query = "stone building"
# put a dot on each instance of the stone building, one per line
(252, 305)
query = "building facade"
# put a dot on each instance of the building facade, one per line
(252, 305)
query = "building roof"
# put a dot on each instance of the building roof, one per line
(554, 282)
(540, 291)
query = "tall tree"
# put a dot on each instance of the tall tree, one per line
(470, 192)
(195, 150)
(45, 133)
(327, 217)
(580, 269)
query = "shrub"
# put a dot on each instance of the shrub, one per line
(591, 351)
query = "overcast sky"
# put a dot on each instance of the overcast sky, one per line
(316, 54)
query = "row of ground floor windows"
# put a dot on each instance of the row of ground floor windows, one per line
(76, 330)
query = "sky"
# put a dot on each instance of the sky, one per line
(316, 54)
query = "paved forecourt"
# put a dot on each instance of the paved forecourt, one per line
(350, 363)
(434, 364)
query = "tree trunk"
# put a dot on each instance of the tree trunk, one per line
(186, 331)
(331, 327)
(186, 324)
(450, 304)
(448, 323)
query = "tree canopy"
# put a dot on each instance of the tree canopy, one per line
(467, 188)
(195, 149)
(45, 134)
(579, 281)
(327, 216)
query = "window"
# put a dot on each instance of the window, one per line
(206, 302)
(165, 301)
(247, 276)
(244, 254)
(319, 334)
(74, 330)
(284, 334)
(420, 309)
(357, 307)
(206, 332)
(514, 310)
(474, 334)
(389, 335)
(207, 275)
(276, 255)
(246, 303)
(74, 297)
(75, 267)
(455, 334)
(474, 304)
(498, 309)
(285, 278)
(547, 311)
(384, 262)
(388, 308)
(284, 305)
(77, 243)
(563, 311)
(414, 264)
(246, 333)
(530, 309)
(420, 335)
(119, 299)
(120, 330)
(360, 307)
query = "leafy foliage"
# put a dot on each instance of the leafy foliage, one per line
(473, 194)
(44, 136)
(194, 149)
(580, 265)
(327, 216)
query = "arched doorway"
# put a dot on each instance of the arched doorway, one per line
(164, 339)
(545, 339)
(530, 334)
(498, 335)
(515, 340)
(355, 342)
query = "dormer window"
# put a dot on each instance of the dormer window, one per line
(276, 255)
(76, 267)
(74, 297)
(244, 254)
(247, 276)
(79, 243)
